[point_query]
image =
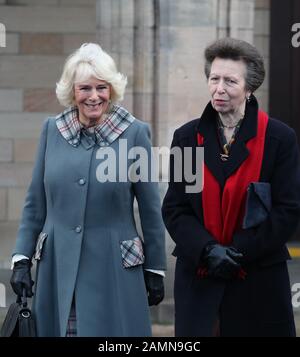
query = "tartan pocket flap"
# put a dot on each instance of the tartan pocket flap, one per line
(39, 245)
(132, 252)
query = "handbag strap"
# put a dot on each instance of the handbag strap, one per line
(22, 300)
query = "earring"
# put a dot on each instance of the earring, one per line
(248, 98)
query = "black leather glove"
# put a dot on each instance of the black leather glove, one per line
(222, 262)
(21, 278)
(155, 287)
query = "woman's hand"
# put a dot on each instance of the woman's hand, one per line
(155, 287)
(21, 278)
(222, 262)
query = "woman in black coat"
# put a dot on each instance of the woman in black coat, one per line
(231, 275)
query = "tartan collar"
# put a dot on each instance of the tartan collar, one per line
(116, 122)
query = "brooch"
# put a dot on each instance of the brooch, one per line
(224, 157)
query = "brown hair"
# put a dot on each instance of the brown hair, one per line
(230, 48)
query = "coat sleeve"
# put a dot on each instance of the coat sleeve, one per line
(270, 236)
(182, 224)
(34, 211)
(148, 199)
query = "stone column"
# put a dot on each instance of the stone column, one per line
(235, 18)
(114, 23)
(125, 29)
(262, 40)
(185, 29)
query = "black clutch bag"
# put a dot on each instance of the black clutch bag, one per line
(19, 321)
(258, 204)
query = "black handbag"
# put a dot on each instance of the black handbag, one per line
(258, 204)
(19, 321)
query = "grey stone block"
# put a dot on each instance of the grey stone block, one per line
(25, 150)
(30, 71)
(34, 2)
(16, 199)
(262, 4)
(73, 41)
(41, 19)
(12, 44)
(262, 43)
(6, 150)
(186, 40)
(8, 232)
(11, 100)
(191, 13)
(23, 125)
(74, 3)
(144, 13)
(15, 175)
(127, 13)
(262, 22)
(3, 204)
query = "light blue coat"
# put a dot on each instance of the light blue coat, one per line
(81, 224)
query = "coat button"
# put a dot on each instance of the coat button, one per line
(78, 229)
(81, 181)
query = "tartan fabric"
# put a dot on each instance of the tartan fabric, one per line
(115, 123)
(71, 326)
(132, 252)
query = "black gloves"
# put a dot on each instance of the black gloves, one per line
(222, 262)
(155, 287)
(21, 278)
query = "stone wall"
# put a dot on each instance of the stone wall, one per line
(262, 42)
(158, 44)
(40, 34)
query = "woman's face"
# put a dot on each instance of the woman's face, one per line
(92, 99)
(226, 84)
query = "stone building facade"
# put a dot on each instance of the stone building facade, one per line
(39, 36)
(158, 44)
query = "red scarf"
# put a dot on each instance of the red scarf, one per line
(223, 212)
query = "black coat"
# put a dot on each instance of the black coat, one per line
(260, 305)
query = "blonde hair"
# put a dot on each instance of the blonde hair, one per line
(89, 61)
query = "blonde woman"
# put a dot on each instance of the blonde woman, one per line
(95, 275)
